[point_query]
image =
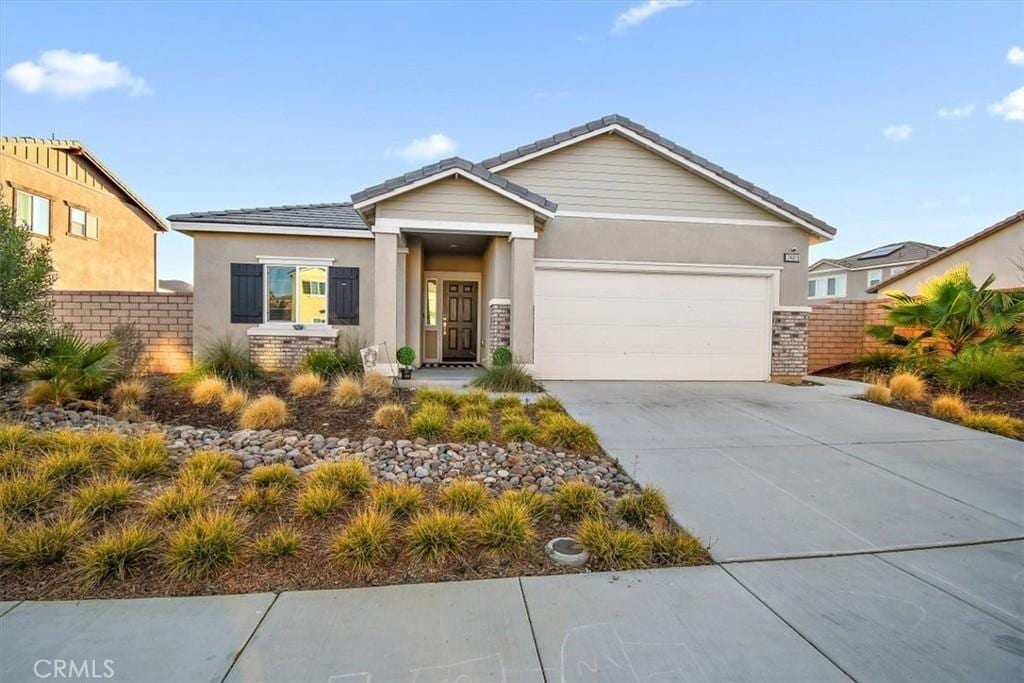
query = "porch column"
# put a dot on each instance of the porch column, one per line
(522, 300)
(400, 269)
(385, 295)
(414, 297)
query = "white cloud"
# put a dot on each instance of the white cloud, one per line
(426, 149)
(638, 14)
(66, 74)
(961, 112)
(898, 133)
(1015, 56)
(1011, 107)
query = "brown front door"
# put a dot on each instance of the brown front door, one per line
(459, 321)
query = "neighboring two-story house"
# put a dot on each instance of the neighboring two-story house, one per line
(101, 235)
(852, 277)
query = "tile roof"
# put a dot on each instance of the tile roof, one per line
(618, 119)
(477, 170)
(901, 252)
(338, 215)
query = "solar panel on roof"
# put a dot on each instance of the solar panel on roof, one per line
(881, 251)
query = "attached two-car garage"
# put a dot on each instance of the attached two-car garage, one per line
(652, 322)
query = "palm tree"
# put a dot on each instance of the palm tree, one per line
(953, 312)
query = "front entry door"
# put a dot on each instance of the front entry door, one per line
(459, 321)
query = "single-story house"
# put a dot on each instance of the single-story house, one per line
(602, 252)
(997, 250)
(851, 278)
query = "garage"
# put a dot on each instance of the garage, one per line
(652, 322)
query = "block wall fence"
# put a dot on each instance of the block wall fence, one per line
(836, 335)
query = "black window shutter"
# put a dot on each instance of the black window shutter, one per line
(343, 292)
(246, 293)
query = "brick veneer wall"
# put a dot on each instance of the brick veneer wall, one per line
(276, 352)
(836, 332)
(499, 331)
(789, 344)
(164, 321)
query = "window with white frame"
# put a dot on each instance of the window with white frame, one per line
(83, 224)
(825, 287)
(874, 277)
(296, 294)
(33, 211)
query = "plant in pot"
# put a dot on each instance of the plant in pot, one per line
(405, 356)
(501, 357)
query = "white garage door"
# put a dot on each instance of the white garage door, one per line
(651, 326)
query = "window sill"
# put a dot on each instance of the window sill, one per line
(286, 330)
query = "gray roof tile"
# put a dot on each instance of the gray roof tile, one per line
(340, 216)
(901, 253)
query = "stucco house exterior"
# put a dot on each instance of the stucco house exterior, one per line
(602, 252)
(997, 250)
(852, 277)
(102, 236)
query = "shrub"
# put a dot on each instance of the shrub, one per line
(366, 541)
(277, 543)
(612, 548)
(948, 407)
(23, 496)
(501, 357)
(982, 368)
(549, 403)
(101, 498)
(75, 367)
(205, 543)
(507, 401)
(207, 468)
(305, 385)
(997, 423)
(444, 397)
(405, 356)
(884, 362)
(514, 414)
(347, 392)
(675, 547)
(907, 386)
(15, 436)
(278, 474)
(464, 495)
(475, 411)
(561, 431)
(129, 391)
(114, 552)
(519, 430)
(256, 499)
(376, 385)
(536, 504)
(266, 412)
(578, 499)
(65, 467)
(324, 363)
(50, 392)
(390, 416)
(397, 500)
(430, 421)
(12, 462)
(234, 401)
(351, 476)
(472, 428)
(504, 527)
(505, 378)
(318, 500)
(636, 509)
(229, 361)
(474, 398)
(208, 391)
(436, 536)
(40, 543)
(876, 393)
(140, 457)
(178, 501)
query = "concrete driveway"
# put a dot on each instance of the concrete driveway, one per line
(764, 471)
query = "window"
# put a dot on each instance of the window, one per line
(297, 294)
(874, 277)
(824, 287)
(431, 303)
(32, 211)
(812, 289)
(83, 224)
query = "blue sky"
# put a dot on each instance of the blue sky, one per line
(226, 105)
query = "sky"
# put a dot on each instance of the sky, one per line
(891, 121)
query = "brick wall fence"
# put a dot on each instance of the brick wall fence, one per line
(164, 321)
(836, 332)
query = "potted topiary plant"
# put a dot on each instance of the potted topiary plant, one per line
(405, 357)
(501, 357)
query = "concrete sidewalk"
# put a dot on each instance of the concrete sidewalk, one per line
(944, 614)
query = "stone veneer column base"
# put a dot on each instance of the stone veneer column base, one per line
(789, 345)
(499, 312)
(279, 352)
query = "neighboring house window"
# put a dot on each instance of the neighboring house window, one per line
(84, 224)
(297, 294)
(874, 277)
(812, 289)
(897, 270)
(33, 211)
(826, 287)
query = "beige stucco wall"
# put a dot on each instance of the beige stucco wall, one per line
(618, 240)
(454, 199)
(124, 255)
(996, 254)
(215, 252)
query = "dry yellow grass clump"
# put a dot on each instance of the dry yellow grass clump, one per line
(877, 393)
(129, 391)
(347, 392)
(305, 385)
(390, 415)
(234, 401)
(376, 385)
(208, 390)
(997, 423)
(266, 412)
(948, 407)
(907, 386)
